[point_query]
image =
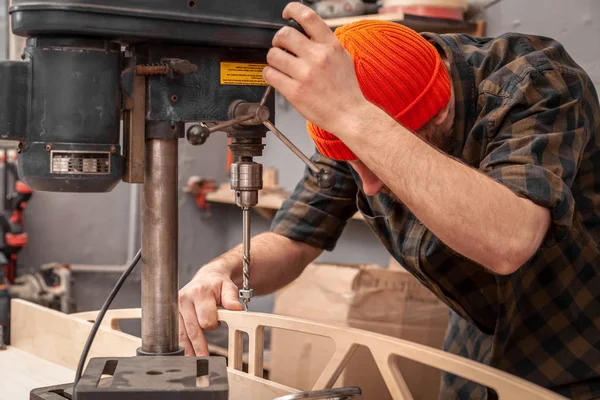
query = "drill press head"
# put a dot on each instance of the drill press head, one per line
(64, 102)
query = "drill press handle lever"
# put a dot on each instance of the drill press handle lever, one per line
(325, 179)
(257, 114)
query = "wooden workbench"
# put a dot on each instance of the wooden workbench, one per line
(23, 371)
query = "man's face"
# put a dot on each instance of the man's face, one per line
(438, 135)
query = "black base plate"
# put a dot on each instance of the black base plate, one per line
(146, 378)
(59, 392)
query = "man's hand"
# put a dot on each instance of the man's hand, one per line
(315, 74)
(276, 261)
(198, 302)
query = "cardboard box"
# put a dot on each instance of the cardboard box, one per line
(387, 301)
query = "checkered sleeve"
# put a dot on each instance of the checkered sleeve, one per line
(317, 216)
(536, 141)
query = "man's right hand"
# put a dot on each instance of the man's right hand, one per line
(198, 302)
(276, 261)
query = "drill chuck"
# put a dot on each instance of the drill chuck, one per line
(246, 181)
(246, 198)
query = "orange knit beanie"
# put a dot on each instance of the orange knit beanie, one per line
(397, 70)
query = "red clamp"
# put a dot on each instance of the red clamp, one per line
(22, 188)
(199, 188)
(16, 240)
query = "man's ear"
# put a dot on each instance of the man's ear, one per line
(441, 116)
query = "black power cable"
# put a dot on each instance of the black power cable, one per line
(491, 3)
(103, 310)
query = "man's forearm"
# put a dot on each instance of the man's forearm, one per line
(275, 261)
(473, 214)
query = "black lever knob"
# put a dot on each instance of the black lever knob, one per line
(292, 23)
(326, 180)
(197, 134)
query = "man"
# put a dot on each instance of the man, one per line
(473, 160)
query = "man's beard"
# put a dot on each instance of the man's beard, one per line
(388, 192)
(438, 137)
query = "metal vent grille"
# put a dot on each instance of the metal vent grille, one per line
(69, 162)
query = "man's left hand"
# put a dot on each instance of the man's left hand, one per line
(315, 73)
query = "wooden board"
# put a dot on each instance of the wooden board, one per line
(383, 349)
(58, 338)
(23, 372)
(122, 315)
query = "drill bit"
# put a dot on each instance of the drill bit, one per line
(246, 294)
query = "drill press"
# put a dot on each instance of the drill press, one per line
(156, 66)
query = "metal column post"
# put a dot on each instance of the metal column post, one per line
(159, 248)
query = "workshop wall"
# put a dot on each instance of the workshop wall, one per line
(575, 24)
(62, 228)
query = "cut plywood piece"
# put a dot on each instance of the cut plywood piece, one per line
(23, 372)
(244, 386)
(114, 318)
(387, 301)
(384, 349)
(56, 336)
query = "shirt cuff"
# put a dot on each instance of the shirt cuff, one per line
(543, 188)
(301, 222)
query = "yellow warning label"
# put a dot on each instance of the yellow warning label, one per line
(242, 74)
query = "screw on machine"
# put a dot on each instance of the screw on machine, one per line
(346, 393)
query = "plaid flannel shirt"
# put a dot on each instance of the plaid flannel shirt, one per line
(527, 116)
